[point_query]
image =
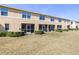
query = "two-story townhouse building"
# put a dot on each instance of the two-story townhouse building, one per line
(68, 24)
(12, 19)
(77, 24)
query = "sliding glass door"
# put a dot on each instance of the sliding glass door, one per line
(43, 27)
(28, 27)
(51, 27)
(59, 27)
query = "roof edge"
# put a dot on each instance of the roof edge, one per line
(32, 12)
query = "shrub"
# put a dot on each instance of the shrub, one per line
(65, 30)
(11, 34)
(3, 34)
(17, 34)
(39, 32)
(59, 30)
(72, 29)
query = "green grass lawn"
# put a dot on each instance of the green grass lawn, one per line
(49, 43)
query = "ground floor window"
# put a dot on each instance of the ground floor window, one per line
(76, 27)
(28, 27)
(68, 26)
(46, 28)
(43, 27)
(6, 27)
(51, 27)
(59, 27)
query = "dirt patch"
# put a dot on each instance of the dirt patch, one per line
(48, 44)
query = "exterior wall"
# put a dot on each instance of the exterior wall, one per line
(68, 23)
(77, 24)
(64, 24)
(14, 23)
(73, 25)
(15, 20)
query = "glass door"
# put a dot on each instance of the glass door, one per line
(43, 27)
(27, 27)
(51, 27)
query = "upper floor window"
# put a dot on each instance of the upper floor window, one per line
(71, 22)
(59, 19)
(42, 17)
(52, 19)
(4, 12)
(26, 15)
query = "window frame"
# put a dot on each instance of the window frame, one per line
(59, 27)
(52, 19)
(43, 27)
(4, 11)
(41, 17)
(26, 15)
(59, 20)
(6, 27)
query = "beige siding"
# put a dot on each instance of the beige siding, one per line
(15, 20)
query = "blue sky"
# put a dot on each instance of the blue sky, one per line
(69, 11)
